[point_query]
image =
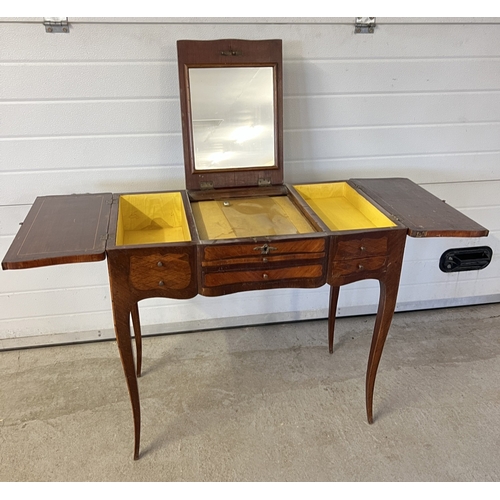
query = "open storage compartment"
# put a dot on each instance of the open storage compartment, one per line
(341, 207)
(151, 218)
(249, 217)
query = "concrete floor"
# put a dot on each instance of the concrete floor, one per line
(263, 403)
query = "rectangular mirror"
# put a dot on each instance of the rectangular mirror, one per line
(232, 111)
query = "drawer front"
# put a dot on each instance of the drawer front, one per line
(159, 272)
(213, 279)
(263, 260)
(358, 248)
(356, 267)
(273, 249)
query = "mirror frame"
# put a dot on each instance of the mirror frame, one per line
(225, 54)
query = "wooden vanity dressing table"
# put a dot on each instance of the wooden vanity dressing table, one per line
(237, 227)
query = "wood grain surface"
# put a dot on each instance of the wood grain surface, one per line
(61, 230)
(421, 212)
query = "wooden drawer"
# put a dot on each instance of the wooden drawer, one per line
(219, 253)
(159, 272)
(283, 259)
(356, 267)
(214, 279)
(358, 248)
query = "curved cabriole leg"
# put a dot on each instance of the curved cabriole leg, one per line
(121, 315)
(138, 337)
(332, 312)
(386, 306)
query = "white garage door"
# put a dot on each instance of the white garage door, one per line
(97, 110)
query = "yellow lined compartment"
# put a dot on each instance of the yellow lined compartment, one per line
(248, 217)
(151, 218)
(341, 208)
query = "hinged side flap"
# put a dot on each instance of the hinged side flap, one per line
(61, 230)
(424, 214)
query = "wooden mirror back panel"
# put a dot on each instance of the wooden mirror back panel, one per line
(231, 94)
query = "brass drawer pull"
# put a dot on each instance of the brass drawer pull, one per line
(161, 283)
(160, 264)
(361, 267)
(264, 259)
(362, 248)
(265, 276)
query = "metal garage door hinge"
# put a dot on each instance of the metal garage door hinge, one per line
(56, 24)
(364, 25)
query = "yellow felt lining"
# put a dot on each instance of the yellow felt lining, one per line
(340, 207)
(151, 218)
(248, 217)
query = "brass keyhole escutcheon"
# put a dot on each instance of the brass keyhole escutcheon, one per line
(265, 249)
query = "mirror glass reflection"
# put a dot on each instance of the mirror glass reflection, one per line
(232, 112)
